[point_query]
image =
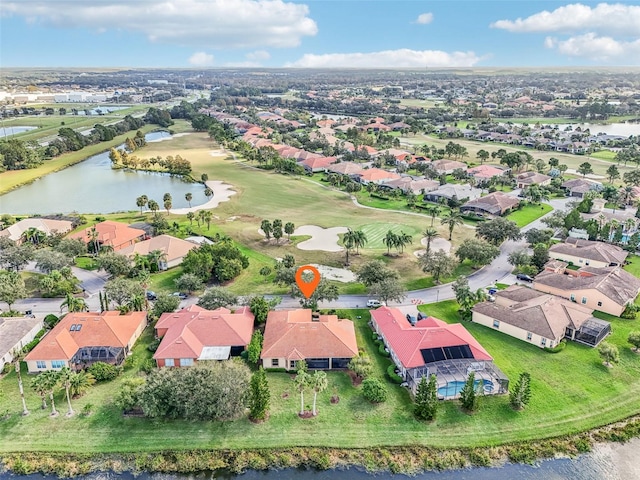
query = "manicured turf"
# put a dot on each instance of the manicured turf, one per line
(529, 213)
(604, 155)
(376, 232)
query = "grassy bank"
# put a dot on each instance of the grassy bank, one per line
(15, 178)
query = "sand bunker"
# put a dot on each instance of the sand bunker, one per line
(436, 244)
(338, 274)
(221, 193)
(323, 239)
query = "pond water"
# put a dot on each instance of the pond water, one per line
(625, 129)
(92, 186)
(605, 462)
(8, 131)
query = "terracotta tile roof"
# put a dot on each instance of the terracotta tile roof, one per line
(485, 171)
(191, 329)
(531, 178)
(345, 168)
(407, 341)
(98, 329)
(445, 165)
(377, 174)
(114, 234)
(292, 334)
(588, 249)
(319, 162)
(173, 247)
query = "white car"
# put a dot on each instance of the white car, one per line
(375, 303)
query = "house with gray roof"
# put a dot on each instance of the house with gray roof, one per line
(493, 204)
(607, 289)
(15, 333)
(539, 318)
(577, 187)
(581, 252)
(450, 191)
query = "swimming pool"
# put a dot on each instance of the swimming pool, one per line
(452, 389)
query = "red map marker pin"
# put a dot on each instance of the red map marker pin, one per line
(307, 288)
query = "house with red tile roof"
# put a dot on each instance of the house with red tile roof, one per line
(83, 338)
(318, 164)
(493, 204)
(194, 333)
(485, 172)
(116, 235)
(433, 347)
(174, 250)
(374, 175)
(345, 168)
(323, 341)
(326, 123)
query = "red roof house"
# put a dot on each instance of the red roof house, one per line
(323, 341)
(318, 164)
(116, 235)
(195, 333)
(432, 346)
(82, 338)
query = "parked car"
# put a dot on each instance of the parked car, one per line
(375, 303)
(492, 291)
(151, 295)
(412, 320)
(523, 277)
(422, 316)
(183, 296)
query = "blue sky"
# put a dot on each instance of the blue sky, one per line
(317, 33)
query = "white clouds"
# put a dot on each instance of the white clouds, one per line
(403, 58)
(606, 32)
(424, 18)
(597, 48)
(201, 59)
(614, 19)
(211, 24)
(258, 55)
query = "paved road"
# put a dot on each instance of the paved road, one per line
(498, 271)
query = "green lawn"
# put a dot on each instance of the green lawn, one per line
(529, 213)
(572, 391)
(603, 155)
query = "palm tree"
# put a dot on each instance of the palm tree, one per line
(452, 220)
(168, 205)
(74, 304)
(208, 193)
(50, 382)
(153, 206)
(188, 197)
(430, 234)
(319, 383)
(348, 241)
(390, 240)
(302, 382)
(206, 216)
(93, 238)
(403, 240)
(80, 383)
(434, 212)
(190, 217)
(64, 379)
(141, 201)
(39, 385)
(34, 235)
(359, 239)
(156, 257)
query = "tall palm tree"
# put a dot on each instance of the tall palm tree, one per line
(93, 238)
(74, 304)
(190, 217)
(430, 234)
(208, 193)
(348, 241)
(302, 382)
(390, 240)
(188, 197)
(64, 379)
(434, 211)
(156, 257)
(404, 239)
(451, 220)
(39, 385)
(318, 383)
(359, 240)
(50, 382)
(206, 216)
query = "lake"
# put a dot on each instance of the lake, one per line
(8, 131)
(625, 129)
(605, 462)
(92, 186)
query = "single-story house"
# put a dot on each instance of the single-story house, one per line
(83, 338)
(432, 346)
(374, 175)
(447, 166)
(532, 178)
(450, 191)
(482, 173)
(48, 226)
(323, 341)
(318, 164)
(607, 289)
(577, 187)
(174, 250)
(15, 333)
(416, 186)
(540, 318)
(116, 235)
(496, 203)
(345, 168)
(194, 333)
(581, 252)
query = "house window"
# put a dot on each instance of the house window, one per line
(292, 364)
(41, 364)
(496, 324)
(543, 342)
(57, 363)
(186, 362)
(168, 362)
(599, 304)
(584, 300)
(529, 335)
(573, 297)
(275, 362)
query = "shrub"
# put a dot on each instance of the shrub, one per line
(103, 372)
(393, 376)
(153, 346)
(383, 352)
(31, 345)
(148, 365)
(557, 348)
(51, 321)
(373, 390)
